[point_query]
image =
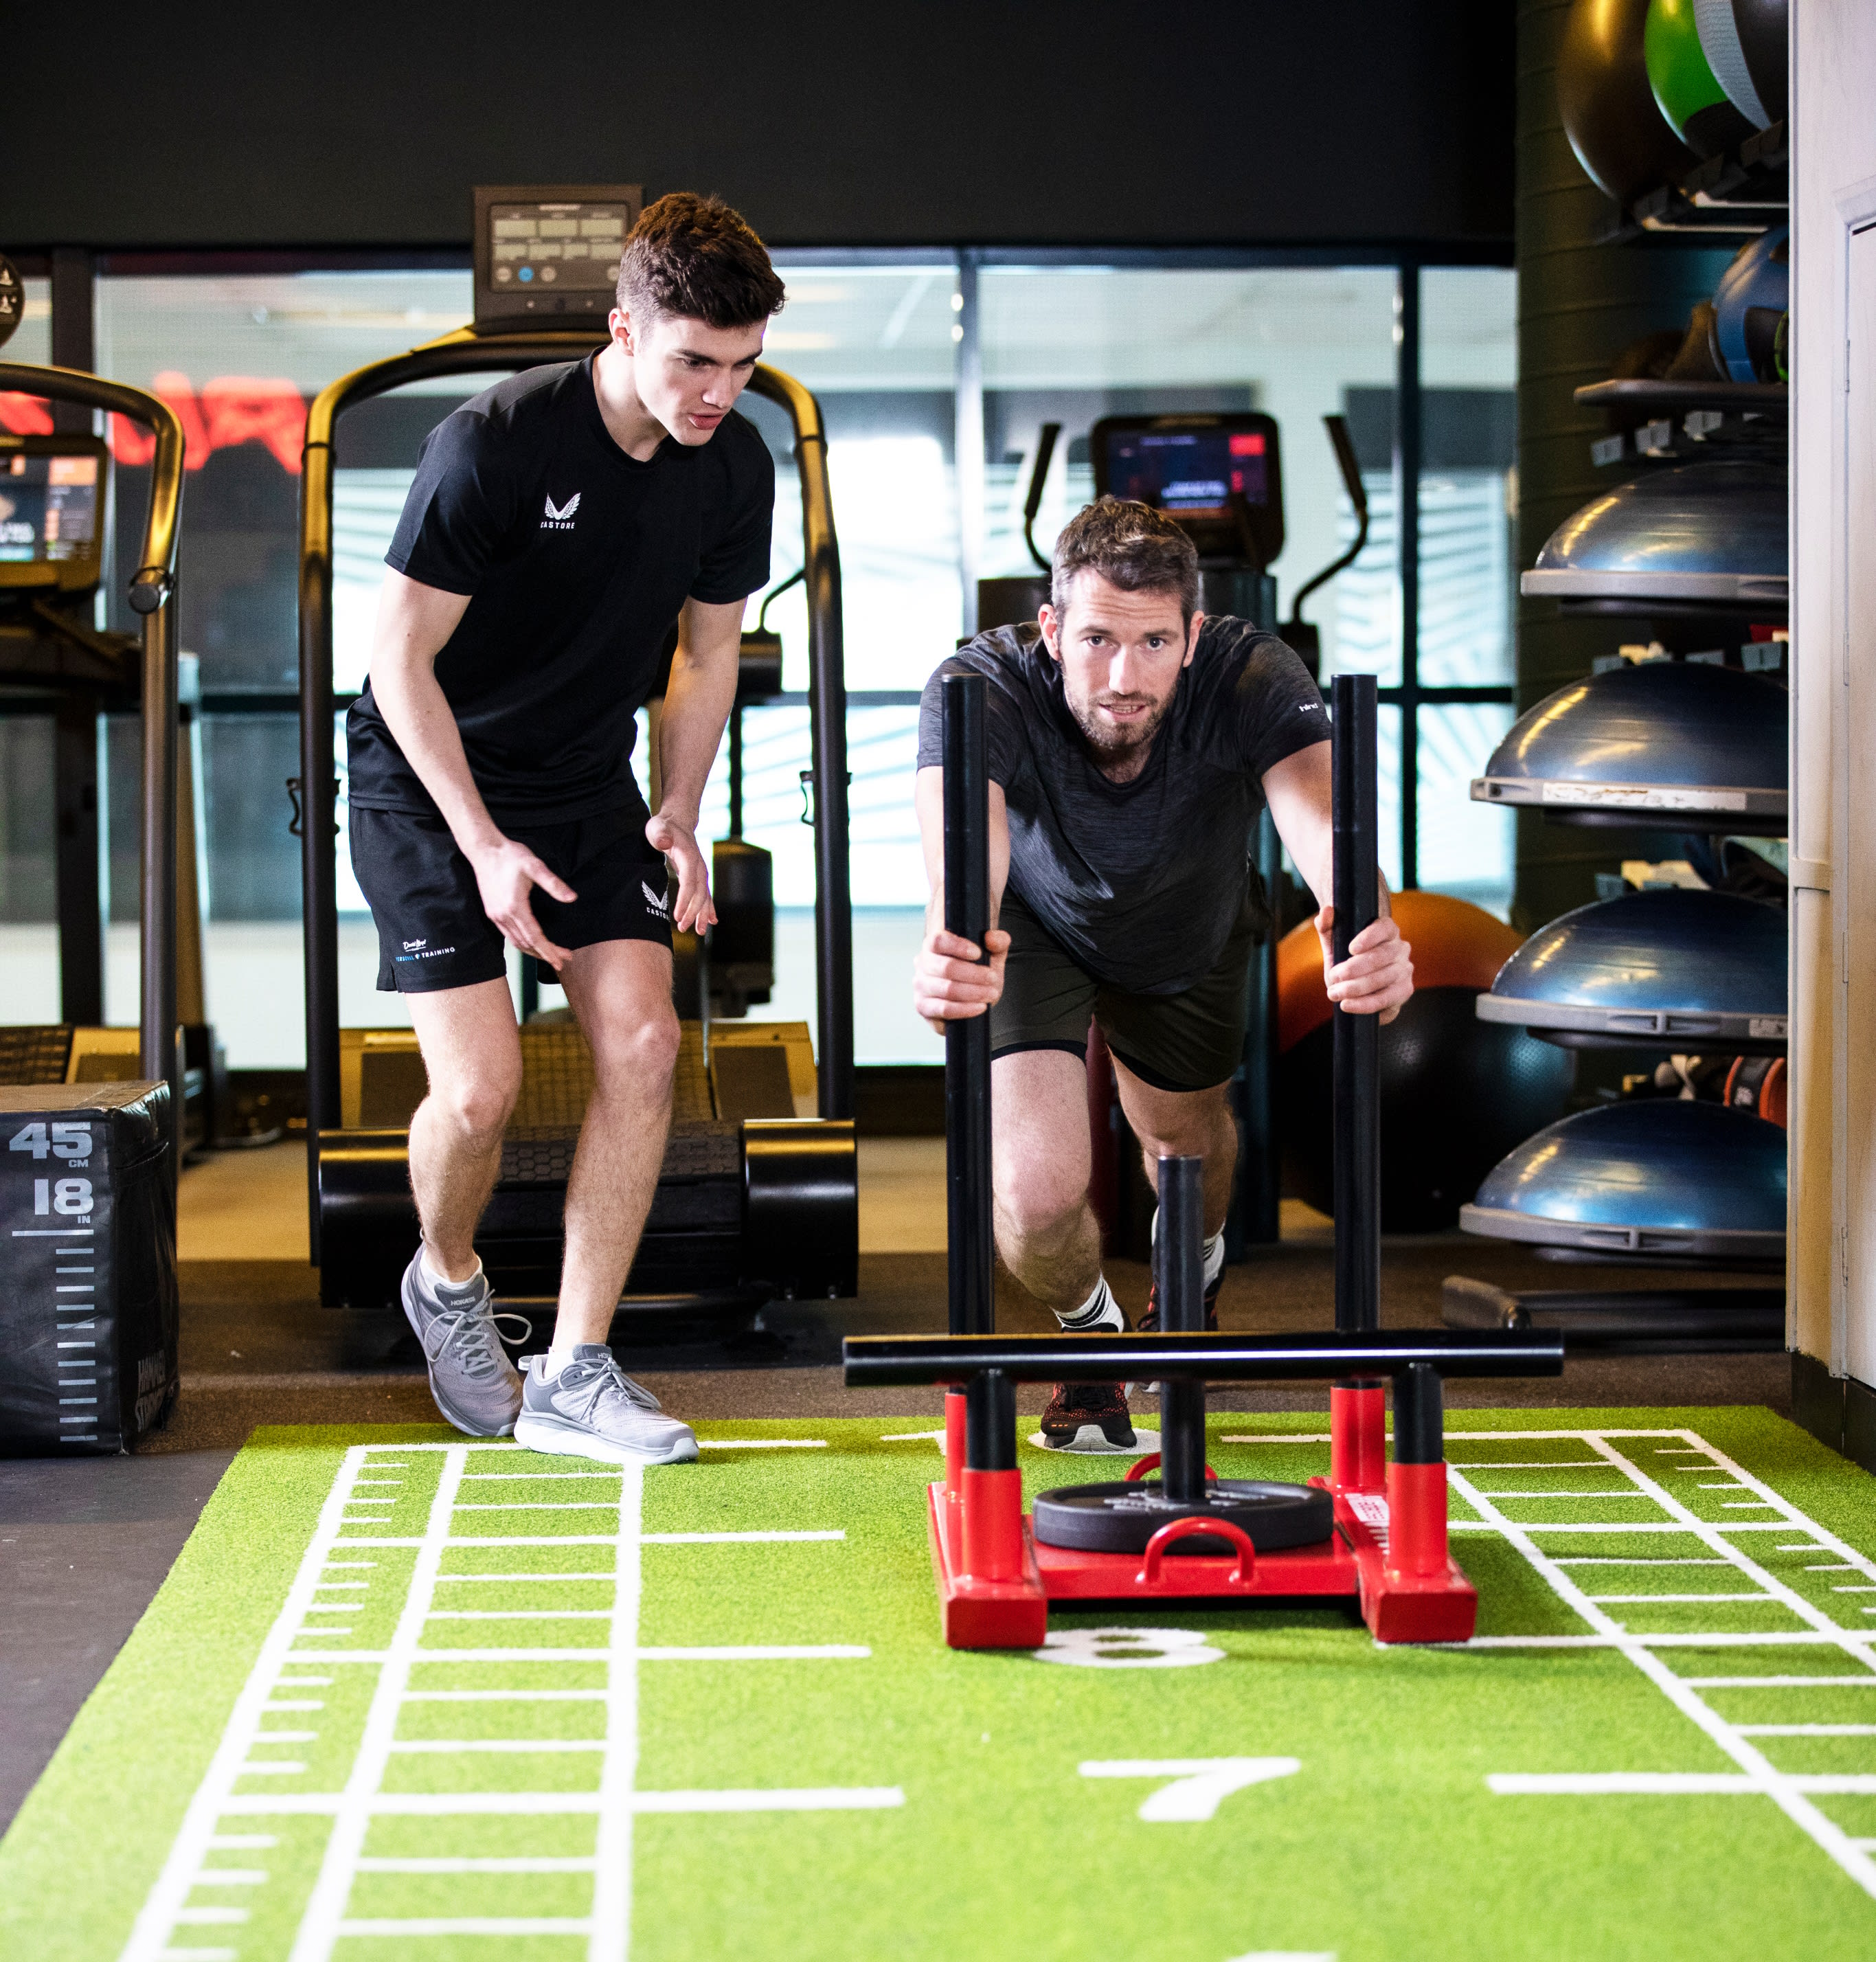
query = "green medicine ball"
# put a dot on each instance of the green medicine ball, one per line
(1696, 106)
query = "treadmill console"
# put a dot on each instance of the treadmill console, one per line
(547, 255)
(52, 505)
(1220, 477)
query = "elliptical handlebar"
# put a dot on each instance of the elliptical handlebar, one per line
(150, 591)
(465, 353)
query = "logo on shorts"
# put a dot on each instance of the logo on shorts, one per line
(411, 946)
(655, 901)
(560, 517)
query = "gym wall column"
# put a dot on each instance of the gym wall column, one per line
(1832, 1229)
(1581, 302)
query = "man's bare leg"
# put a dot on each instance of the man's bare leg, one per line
(1184, 1123)
(1040, 1160)
(620, 992)
(472, 1057)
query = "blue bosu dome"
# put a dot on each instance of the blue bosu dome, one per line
(1713, 532)
(1681, 745)
(1654, 1177)
(1652, 970)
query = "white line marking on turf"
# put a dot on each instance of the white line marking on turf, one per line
(611, 1937)
(514, 1863)
(1629, 1598)
(477, 1924)
(319, 1926)
(446, 1805)
(1199, 1785)
(1773, 1785)
(150, 1933)
(729, 1539)
(1791, 1795)
(820, 1798)
(762, 1444)
(751, 1652)
(512, 1746)
(1806, 1730)
(1780, 1682)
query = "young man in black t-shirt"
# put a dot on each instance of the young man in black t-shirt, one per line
(1133, 743)
(559, 525)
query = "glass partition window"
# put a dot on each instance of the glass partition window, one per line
(882, 342)
(1072, 345)
(1465, 659)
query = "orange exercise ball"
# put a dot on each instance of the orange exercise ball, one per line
(1456, 1094)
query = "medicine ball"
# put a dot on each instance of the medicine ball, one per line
(1687, 44)
(1609, 111)
(1749, 302)
(1456, 1094)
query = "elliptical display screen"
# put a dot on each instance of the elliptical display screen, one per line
(1188, 473)
(545, 252)
(50, 501)
(1218, 475)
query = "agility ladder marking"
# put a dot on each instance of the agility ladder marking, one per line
(325, 1921)
(1757, 1775)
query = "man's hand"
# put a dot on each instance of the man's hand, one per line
(505, 874)
(1378, 976)
(693, 912)
(950, 984)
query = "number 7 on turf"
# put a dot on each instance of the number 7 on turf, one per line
(1199, 1785)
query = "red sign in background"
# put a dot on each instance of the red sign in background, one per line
(229, 411)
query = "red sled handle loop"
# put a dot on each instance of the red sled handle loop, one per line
(1151, 1463)
(1196, 1527)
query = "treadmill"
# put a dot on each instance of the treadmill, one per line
(747, 1208)
(54, 494)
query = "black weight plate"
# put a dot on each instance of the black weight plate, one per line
(1122, 1517)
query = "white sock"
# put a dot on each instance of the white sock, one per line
(1100, 1311)
(1213, 1250)
(442, 1280)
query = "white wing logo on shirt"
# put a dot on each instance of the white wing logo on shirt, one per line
(560, 516)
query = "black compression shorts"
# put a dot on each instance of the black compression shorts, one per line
(1192, 1040)
(432, 931)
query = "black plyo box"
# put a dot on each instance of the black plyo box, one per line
(87, 1267)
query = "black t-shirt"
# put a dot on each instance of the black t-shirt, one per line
(1140, 882)
(578, 559)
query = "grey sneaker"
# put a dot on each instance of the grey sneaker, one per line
(475, 1385)
(592, 1409)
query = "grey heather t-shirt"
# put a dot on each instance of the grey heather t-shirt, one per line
(1141, 882)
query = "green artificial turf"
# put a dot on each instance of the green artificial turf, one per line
(1386, 1841)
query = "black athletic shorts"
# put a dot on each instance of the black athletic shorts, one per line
(1192, 1040)
(432, 931)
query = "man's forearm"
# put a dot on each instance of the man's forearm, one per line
(421, 724)
(696, 705)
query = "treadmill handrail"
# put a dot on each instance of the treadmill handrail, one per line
(151, 592)
(463, 352)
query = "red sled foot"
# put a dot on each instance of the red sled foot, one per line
(1009, 1612)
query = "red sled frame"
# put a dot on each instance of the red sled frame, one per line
(1388, 1552)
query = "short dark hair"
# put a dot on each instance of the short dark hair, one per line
(694, 257)
(1132, 546)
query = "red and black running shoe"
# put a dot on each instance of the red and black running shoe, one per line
(1149, 1323)
(1088, 1417)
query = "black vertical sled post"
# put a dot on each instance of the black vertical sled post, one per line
(1357, 1037)
(1179, 1286)
(967, 1042)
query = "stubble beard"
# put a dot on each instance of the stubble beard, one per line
(1114, 745)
